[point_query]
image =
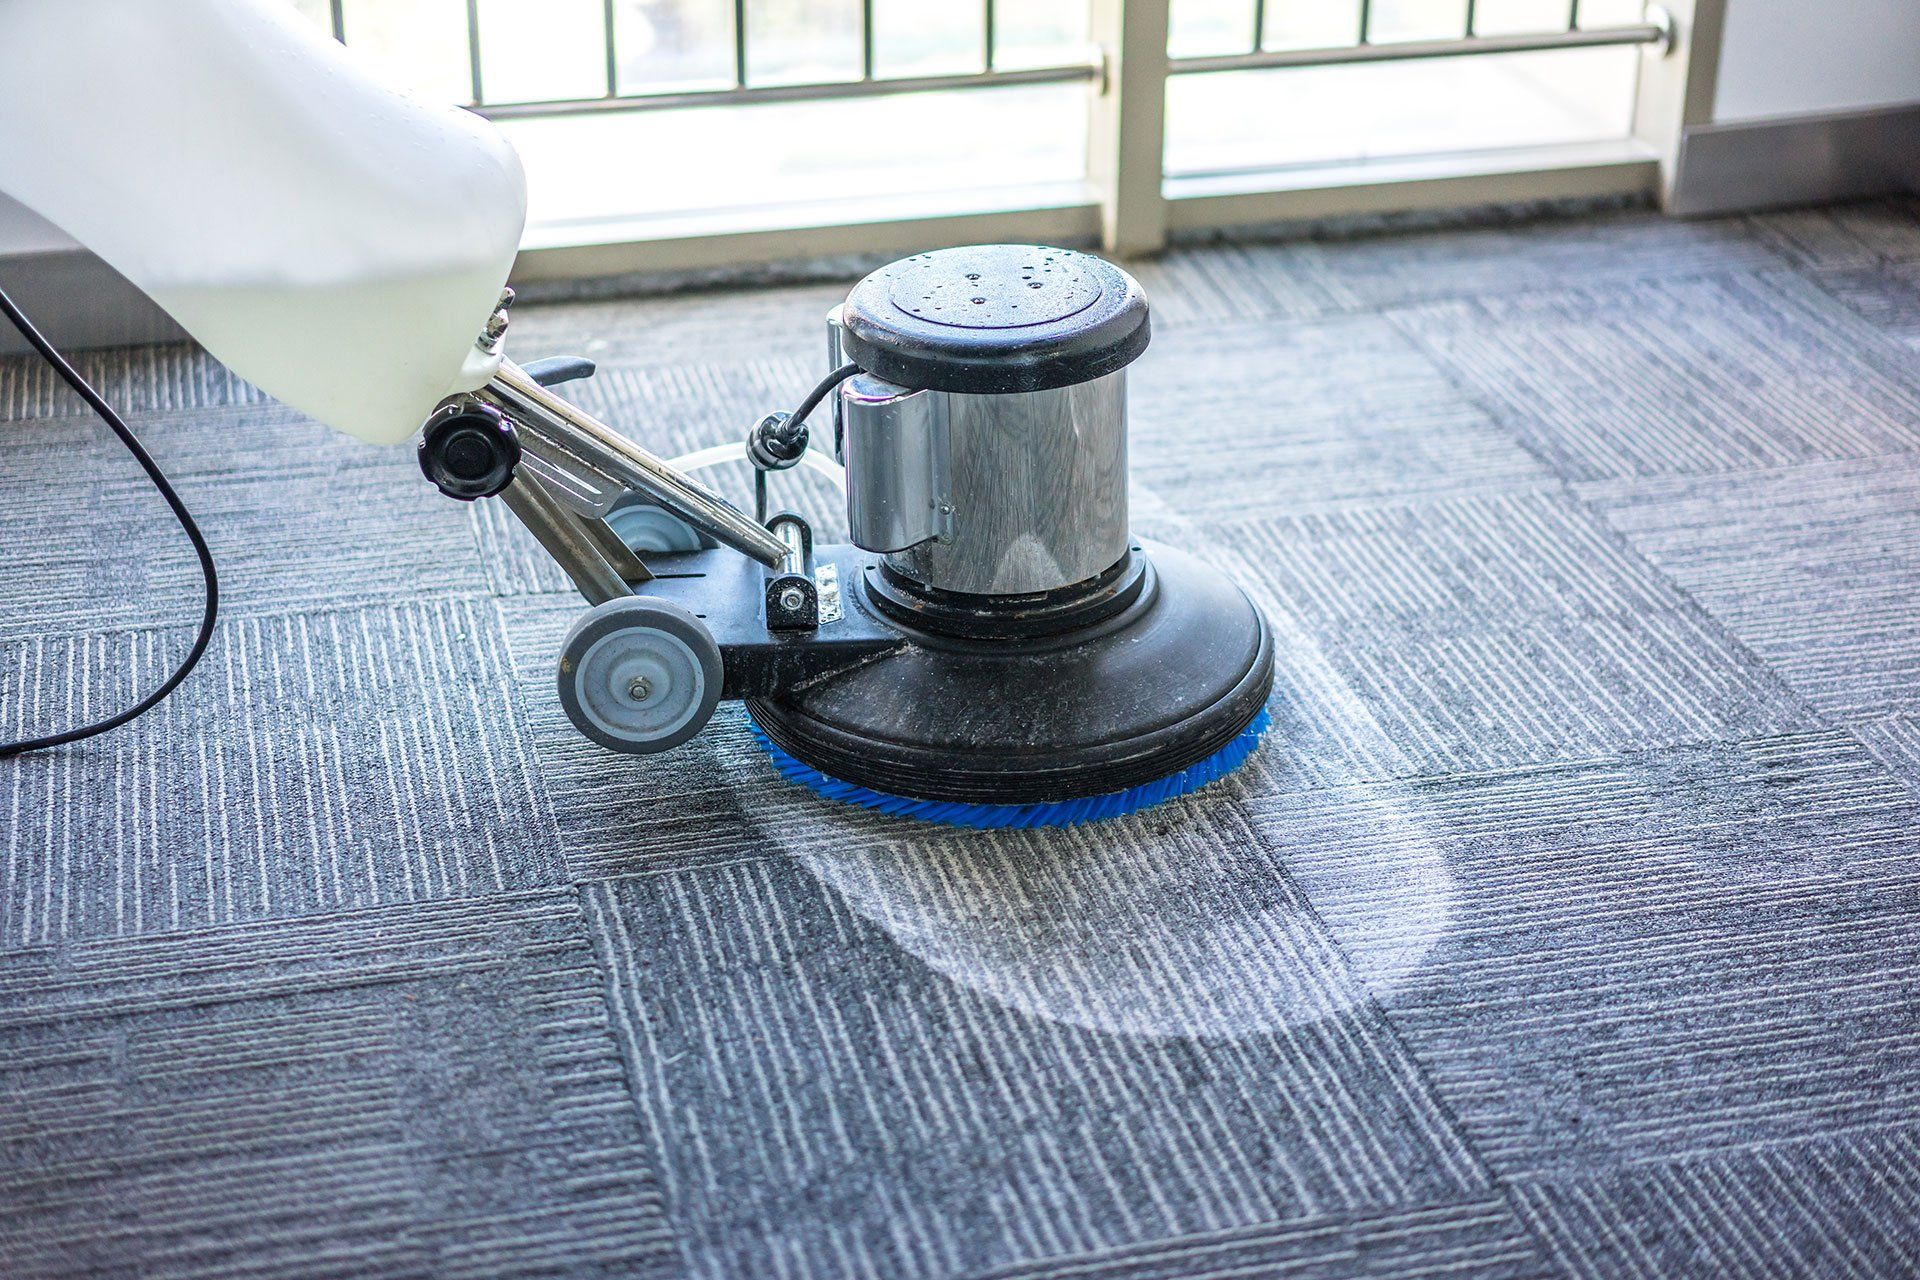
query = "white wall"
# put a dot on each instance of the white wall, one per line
(1800, 57)
(75, 298)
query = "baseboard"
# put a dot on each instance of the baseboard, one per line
(79, 301)
(1770, 164)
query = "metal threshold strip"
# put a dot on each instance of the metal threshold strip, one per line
(813, 91)
(1658, 33)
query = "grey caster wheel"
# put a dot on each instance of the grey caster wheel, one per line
(639, 675)
(645, 527)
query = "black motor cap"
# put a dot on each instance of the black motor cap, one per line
(995, 318)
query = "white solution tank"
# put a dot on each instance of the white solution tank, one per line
(331, 240)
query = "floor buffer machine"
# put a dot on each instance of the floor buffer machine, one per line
(993, 647)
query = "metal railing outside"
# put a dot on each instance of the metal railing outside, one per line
(743, 90)
(1657, 29)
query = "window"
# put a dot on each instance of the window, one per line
(656, 121)
(1328, 108)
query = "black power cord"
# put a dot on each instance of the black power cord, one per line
(99, 405)
(780, 439)
(819, 392)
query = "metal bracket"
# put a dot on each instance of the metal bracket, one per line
(589, 466)
(1660, 18)
(793, 601)
(759, 661)
(894, 447)
(568, 540)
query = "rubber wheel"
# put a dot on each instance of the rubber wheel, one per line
(645, 527)
(639, 675)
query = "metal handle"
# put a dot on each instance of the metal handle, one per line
(590, 465)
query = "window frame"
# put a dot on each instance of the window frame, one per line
(1127, 206)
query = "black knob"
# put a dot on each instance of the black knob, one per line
(777, 442)
(469, 450)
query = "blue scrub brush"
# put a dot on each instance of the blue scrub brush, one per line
(1057, 813)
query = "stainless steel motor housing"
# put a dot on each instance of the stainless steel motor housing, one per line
(986, 448)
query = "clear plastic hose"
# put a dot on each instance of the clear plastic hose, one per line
(737, 452)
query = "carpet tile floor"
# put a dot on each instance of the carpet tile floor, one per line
(1567, 924)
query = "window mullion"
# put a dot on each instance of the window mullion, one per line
(1127, 132)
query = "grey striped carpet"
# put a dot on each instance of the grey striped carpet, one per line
(1568, 924)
